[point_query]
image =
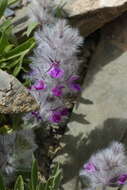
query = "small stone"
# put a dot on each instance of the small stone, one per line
(9, 12)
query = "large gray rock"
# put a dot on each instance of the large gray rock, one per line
(101, 113)
(89, 15)
(14, 97)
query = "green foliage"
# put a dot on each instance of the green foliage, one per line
(30, 28)
(19, 184)
(5, 124)
(10, 2)
(34, 176)
(35, 183)
(12, 53)
(3, 5)
(52, 183)
(2, 186)
(59, 10)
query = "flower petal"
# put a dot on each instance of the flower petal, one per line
(64, 112)
(122, 179)
(39, 85)
(56, 72)
(55, 117)
(57, 91)
(73, 78)
(90, 167)
(75, 87)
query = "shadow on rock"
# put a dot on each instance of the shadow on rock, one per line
(79, 149)
(112, 45)
(80, 118)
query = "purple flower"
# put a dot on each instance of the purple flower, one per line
(90, 167)
(57, 91)
(64, 112)
(122, 179)
(56, 72)
(39, 85)
(55, 117)
(73, 78)
(37, 115)
(73, 85)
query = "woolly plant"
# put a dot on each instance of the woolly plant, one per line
(16, 150)
(55, 66)
(107, 167)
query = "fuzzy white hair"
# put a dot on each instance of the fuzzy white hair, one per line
(16, 151)
(110, 163)
(40, 11)
(56, 41)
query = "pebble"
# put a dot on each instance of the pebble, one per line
(9, 12)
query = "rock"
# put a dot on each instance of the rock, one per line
(20, 20)
(9, 12)
(14, 97)
(90, 15)
(100, 116)
(87, 15)
(16, 5)
(25, 2)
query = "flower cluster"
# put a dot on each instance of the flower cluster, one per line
(55, 66)
(107, 167)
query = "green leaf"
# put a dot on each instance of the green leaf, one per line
(3, 65)
(41, 186)
(10, 2)
(57, 180)
(11, 65)
(59, 10)
(46, 187)
(24, 48)
(8, 67)
(5, 129)
(3, 42)
(5, 25)
(3, 5)
(31, 27)
(8, 48)
(19, 185)
(17, 70)
(27, 83)
(34, 175)
(55, 170)
(2, 186)
(19, 66)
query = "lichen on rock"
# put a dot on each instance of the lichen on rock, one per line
(14, 97)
